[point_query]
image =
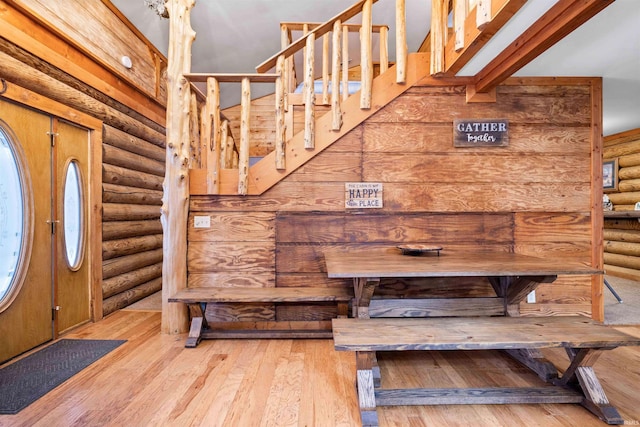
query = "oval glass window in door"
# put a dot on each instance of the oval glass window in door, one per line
(72, 215)
(15, 222)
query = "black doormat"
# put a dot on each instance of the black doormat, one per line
(30, 378)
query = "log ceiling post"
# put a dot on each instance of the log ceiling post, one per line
(175, 201)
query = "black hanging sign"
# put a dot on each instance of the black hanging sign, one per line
(480, 133)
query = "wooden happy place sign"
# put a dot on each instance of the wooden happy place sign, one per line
(480, 133)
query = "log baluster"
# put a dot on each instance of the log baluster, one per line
(384, 49)
(438, 36)
(483, 13)
(280, 107)
(336, 111)
(213, 153)
(401, 42)
(194, 134)
(325, 69)
(460, 12)
(309, 94)
(366, 60)
(345, 62)
(243, 157)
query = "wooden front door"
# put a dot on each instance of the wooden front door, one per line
(27, 321)
(55, 292)
(71, 156)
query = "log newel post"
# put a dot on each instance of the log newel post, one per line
(175, 200)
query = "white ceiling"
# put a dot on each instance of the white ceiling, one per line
(234, 36)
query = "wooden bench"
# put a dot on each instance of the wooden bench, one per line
(520, 337)
(198, 298)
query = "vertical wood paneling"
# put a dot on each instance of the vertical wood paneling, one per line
(532, 197)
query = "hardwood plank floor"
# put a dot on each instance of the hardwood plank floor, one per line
(152, 380)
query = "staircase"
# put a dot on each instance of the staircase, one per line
(222, 166)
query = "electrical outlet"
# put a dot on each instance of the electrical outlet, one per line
(531, 297)
(201, 221)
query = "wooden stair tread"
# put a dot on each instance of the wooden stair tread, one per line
(297, 294)
(475, 333)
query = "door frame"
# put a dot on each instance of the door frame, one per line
(93, 254)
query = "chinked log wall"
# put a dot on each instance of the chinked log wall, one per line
(532, 197)
(83, 71)
(622, 236)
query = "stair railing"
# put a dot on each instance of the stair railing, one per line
(215, 147)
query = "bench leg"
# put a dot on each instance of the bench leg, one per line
(534, 360)
(366, 393)
(198, 323)
(595, 399)
(580, 374)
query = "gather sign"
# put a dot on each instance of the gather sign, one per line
(480, 133)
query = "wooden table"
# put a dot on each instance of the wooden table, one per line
(512, 276)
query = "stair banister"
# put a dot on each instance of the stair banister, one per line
(366, 59)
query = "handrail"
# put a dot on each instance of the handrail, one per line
(353, 28)
(317, 32)
(232, 77)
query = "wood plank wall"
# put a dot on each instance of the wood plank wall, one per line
(51, 50)
(532, 197)
(622, 236)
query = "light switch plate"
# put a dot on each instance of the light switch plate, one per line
(201, 221)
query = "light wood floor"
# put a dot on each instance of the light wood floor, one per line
(152, 380)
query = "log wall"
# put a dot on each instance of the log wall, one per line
(622, 235)
(533, 197)
(70, 52)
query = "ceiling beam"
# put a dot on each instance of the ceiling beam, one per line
(560, 20)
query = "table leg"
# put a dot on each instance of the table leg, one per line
(363, 288)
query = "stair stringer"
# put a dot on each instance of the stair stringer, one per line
(263, 175)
